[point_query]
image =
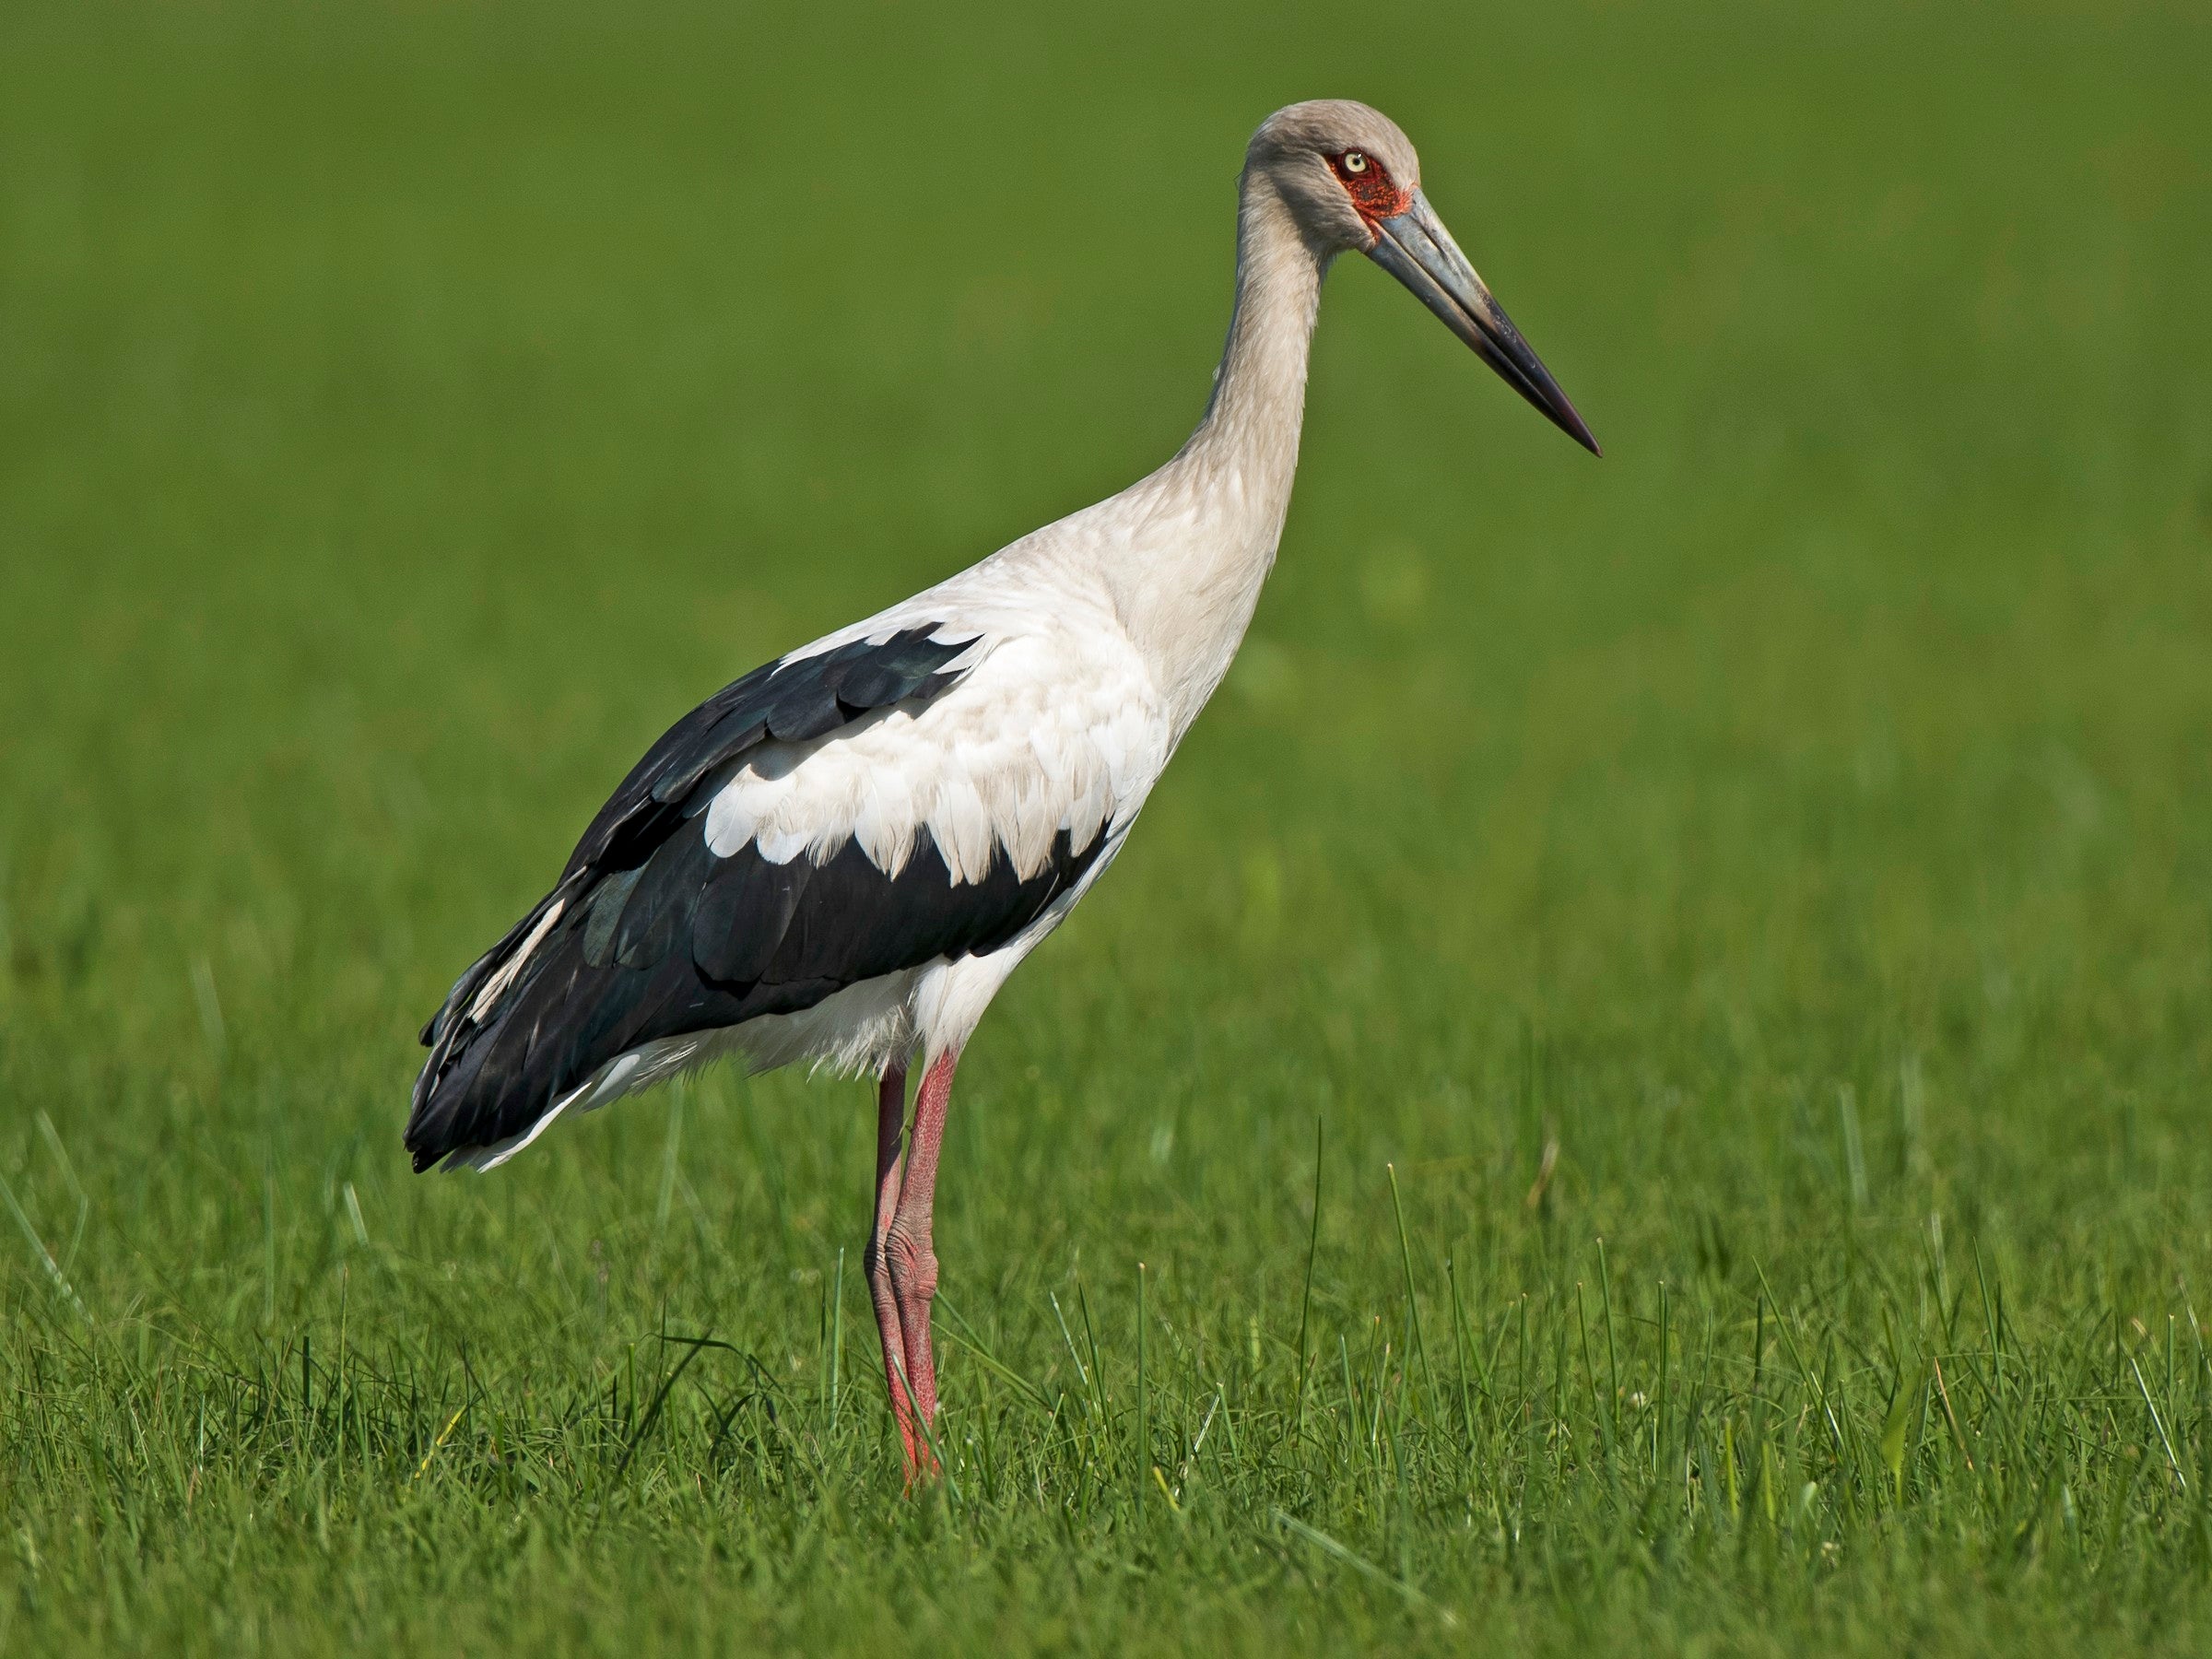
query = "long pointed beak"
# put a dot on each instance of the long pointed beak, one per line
(1415, 247)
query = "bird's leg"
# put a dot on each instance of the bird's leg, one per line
(913, 1263)
(890, 1120)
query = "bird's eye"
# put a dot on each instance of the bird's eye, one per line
(1355, 161)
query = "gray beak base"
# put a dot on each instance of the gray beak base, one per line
(1415, 247)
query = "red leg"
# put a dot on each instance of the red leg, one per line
(913, 1264)
(890, 1120)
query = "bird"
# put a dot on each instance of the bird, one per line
(840, 857)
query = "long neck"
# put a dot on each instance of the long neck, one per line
(1252, 421)
(1187, 576)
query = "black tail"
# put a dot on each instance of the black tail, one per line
(447, 1110)
(601, 965)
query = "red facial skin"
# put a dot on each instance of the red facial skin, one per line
(1373, 193)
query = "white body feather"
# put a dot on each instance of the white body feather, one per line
(1097, 641)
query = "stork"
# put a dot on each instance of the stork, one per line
(840, 857)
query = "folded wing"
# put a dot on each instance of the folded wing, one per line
(826, 820)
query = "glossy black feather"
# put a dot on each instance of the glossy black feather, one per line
(658, 937)
(701, 943)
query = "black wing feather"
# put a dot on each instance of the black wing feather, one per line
(791, 700)
(659, 938)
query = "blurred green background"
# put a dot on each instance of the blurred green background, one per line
(1800, 821)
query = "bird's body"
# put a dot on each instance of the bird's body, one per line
(842, 856)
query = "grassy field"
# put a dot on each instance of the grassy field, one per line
(1644, 1083)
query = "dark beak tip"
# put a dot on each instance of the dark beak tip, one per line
(1414, 247)
(1569, 419)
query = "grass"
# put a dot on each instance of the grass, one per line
(1642, 1083)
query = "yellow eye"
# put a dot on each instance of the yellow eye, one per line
(1354, 161)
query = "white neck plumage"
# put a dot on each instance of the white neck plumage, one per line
(1191, 545)
(1252, 421)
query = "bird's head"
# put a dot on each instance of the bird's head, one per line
(1351, 181)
